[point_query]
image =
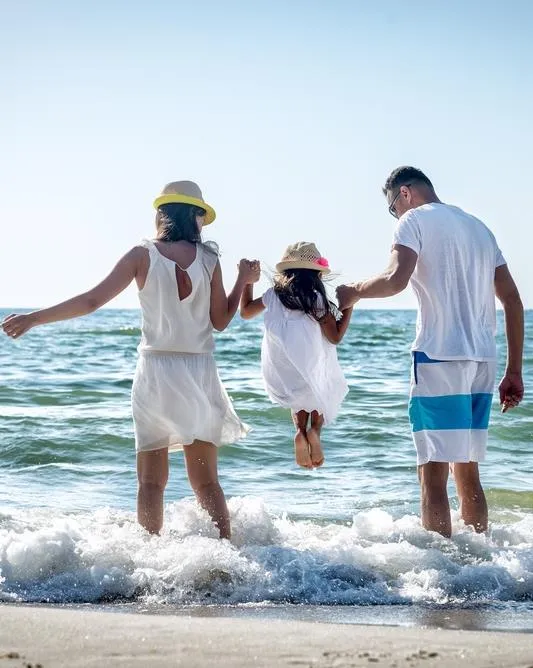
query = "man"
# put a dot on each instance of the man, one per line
(455, 268)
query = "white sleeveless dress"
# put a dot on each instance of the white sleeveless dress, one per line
(177, 396)
(300, 366)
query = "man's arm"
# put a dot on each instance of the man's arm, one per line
(391, 282)
(511, 387)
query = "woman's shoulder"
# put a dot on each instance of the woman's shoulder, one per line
(209, 256)
(145, 243)
(145, 248)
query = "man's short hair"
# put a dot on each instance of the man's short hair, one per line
(403, 176)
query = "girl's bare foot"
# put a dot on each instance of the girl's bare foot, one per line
(301, 450)
(317, 456)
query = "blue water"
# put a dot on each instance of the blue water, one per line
(347, 534)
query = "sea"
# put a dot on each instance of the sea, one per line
(341, 543)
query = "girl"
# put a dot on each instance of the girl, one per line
(178, 400)
(298, 355)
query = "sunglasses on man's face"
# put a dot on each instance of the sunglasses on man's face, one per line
(392, 209)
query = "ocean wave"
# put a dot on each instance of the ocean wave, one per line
(373, 560)
(510, 499)
(117, 331)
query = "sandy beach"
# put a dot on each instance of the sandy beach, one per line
(57, 638)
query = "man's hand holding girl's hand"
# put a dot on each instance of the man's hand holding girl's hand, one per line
(347, 296)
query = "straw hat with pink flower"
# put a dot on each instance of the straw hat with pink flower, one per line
(303, 255)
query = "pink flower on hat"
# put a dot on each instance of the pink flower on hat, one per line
(322, 262)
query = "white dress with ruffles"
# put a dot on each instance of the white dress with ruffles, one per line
(177, 395)
(300, 366)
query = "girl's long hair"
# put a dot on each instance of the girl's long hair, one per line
(177, 222)
(304, 290)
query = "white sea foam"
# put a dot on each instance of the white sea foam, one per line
(374, 559)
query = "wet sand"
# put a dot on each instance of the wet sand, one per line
(57, 638)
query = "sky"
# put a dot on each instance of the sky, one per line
(289, 114)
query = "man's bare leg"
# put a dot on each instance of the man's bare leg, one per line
(313, 436)
(435, 506)
(301, 444)
(473, 504)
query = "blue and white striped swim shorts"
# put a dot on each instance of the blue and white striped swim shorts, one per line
(449, 408)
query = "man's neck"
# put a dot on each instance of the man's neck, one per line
(430, 199)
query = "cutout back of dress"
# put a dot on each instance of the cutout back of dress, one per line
(184, 283)
(175, 303)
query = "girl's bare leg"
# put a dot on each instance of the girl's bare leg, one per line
(301, 444)
(313, 436)
(152, 476)
(201, 461)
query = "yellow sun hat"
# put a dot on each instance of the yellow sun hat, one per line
(185, 192)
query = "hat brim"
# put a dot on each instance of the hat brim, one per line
(282, 266)
(176, 198)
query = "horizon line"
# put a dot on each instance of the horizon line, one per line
(137, 308)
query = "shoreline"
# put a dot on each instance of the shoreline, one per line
(515, 618)
(59, 638)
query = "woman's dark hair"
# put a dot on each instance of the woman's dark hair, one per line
(177, 222)
(303, 290)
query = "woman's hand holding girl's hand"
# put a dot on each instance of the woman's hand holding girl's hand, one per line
(255, 266)
(249, 271)
(17, 325)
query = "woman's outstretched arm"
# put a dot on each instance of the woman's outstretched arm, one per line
(118, 280)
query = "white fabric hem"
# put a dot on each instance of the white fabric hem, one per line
(177, 399)
(453, 446)
(178, 443)
(478, 457)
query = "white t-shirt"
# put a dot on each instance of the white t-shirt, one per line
(453, 281)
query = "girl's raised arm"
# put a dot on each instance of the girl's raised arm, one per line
(118, 280)
(334, 330)
(250, 307)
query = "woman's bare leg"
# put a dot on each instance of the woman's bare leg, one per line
(201, 461)
(301, 444)
(152, 476)
(313, 436)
